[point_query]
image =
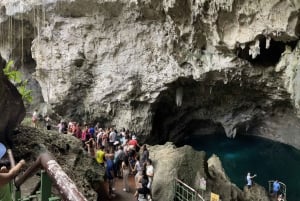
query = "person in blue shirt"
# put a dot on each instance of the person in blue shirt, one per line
(110, 174)
(276, 188)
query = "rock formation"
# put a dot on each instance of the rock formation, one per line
(189, 166)
(164, 68)
(170, 163)
(11, 107)
(220, 183)
(66, 149)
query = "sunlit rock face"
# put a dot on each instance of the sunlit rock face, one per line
(166, 69)
(11, 107)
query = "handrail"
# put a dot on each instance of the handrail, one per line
(190, 188)
(64, 184)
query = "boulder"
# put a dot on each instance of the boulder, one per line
(169, 163)
(11, 107)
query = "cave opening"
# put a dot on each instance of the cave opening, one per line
(197, 128)
(269, 54)
(211, 106)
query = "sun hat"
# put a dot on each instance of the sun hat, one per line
(2, 150)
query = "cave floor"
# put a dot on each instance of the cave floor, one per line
(120, 194)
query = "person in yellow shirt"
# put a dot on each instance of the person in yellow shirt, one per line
(100, 156)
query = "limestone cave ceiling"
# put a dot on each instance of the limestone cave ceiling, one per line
(124, 63)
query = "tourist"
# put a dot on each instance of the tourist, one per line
(142, 191)
(97, 126)
(84, 136)
(99, 137)
(110, 174)
(133, 143)
(48, 122)
(276, 187)
(145, 154)
(105, 139)
(100, 156)
(119, 157)
(122, 136)
(249, 180)
(78, 131)
(91, 131)
(112, 138)
(125, 170)
(35, 118)
(91, 147)
(150, 174)
(7, 176)
(138, 169)
(62, 127)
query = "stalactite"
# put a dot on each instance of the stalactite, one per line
(179, 95)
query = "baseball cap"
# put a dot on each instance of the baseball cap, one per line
(2, 150)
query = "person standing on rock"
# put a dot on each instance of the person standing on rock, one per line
(276, 188)
(48, 122)
(35, 118)
(249, 180)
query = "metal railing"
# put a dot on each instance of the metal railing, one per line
(183, 192)
(52, 172)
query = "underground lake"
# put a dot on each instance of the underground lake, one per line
(268, 159)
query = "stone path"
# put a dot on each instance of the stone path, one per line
(120, 194)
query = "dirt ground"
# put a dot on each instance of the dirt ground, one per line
(66, 149)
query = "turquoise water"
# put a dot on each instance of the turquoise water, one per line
(268, 159)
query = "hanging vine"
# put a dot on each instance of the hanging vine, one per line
(15, 77)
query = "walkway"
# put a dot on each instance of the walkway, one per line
(120, 194)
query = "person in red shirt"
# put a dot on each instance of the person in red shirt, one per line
(133, 144)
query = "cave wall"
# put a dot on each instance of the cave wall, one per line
(11, 107)
(120, 62)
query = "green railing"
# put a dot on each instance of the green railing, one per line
(183, 192)
(51, 173)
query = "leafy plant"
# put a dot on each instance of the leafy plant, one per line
(15, 77)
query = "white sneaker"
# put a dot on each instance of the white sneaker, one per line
(124, 189)
(113, 189)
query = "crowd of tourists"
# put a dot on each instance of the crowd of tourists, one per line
(118, 152)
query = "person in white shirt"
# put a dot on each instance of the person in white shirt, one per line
(150, 174)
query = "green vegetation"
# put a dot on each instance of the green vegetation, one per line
(15, 77)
